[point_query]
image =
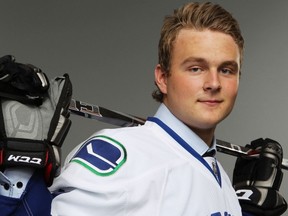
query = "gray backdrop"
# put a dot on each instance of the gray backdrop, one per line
(109, 48)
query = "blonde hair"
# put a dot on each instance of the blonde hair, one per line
(198, 16)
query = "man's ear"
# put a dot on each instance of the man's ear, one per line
(160, 77)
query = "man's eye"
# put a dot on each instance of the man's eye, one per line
(226, 71)
(195, 69)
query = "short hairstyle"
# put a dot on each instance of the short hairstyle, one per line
(198, 16)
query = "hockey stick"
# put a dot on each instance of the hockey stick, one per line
(124, 120)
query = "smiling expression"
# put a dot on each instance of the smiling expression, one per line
(203, 80)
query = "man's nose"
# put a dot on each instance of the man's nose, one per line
(212, 81)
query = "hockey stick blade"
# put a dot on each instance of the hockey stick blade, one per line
(125, 120)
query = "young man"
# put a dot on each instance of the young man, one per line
(158, 168)
(165, 167)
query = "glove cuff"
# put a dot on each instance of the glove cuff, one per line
(254, 200)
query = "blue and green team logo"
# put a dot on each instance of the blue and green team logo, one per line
(101, 155)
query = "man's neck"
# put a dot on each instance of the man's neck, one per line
(207, 135)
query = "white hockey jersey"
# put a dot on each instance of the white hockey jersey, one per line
(141, 171)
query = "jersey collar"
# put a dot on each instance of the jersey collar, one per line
(164, 114)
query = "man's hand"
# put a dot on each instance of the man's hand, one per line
(257, 179)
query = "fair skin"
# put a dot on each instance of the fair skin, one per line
(202, 85)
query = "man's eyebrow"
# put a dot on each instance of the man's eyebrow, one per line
(194, 59)
(233, 64)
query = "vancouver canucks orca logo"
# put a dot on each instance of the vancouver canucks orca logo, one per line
(102, 155)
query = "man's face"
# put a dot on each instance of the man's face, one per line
(202, 85)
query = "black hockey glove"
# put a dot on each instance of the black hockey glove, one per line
(31, 134)
(22, 82)
(257, 180)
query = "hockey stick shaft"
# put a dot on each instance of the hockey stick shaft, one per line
(124, 120)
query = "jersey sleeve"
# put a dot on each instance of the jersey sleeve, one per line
(36, 199)
(88, 182)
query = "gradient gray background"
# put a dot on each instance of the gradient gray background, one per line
(109, 48)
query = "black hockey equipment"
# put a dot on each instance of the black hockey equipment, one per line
(34, 117)
(257, 180)
(22, 82)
